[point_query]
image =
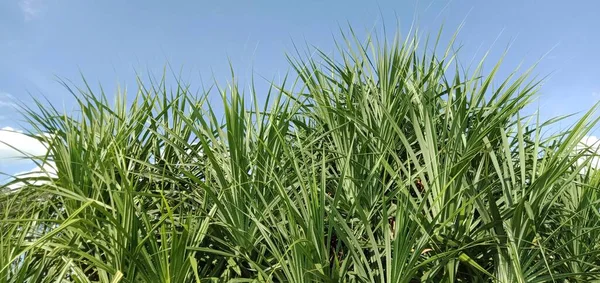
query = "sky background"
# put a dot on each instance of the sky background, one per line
(108, 41)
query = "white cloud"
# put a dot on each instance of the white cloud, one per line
(35, 176)
(30, 8)
(6, 100)
(7, 95)
(591, 144)
(7, 104)
(590, 141)
(15, 145)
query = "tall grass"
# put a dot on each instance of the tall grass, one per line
(388, 163)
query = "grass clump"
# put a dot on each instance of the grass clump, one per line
(385, 164)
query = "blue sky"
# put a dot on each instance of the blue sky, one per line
(109, 40)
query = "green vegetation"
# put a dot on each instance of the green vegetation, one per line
(387, 162)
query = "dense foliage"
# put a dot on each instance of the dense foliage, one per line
(387, 162)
